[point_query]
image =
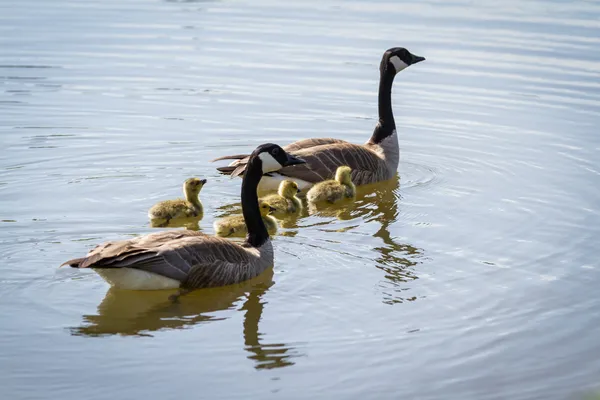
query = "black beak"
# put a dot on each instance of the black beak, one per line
(271, 209)
(203, 181)
(291, 160)
(416, 59)
(298, 190)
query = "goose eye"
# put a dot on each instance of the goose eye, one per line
(275, 151)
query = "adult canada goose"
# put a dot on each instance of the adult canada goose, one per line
(333, 190)
(235, 225)
(180, 208)
(190, 259)
(285, 201)
(374, 161)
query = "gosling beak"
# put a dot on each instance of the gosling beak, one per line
(271, 209)
(416, 59)
(298, 191)
(291, 160)
(203, 181)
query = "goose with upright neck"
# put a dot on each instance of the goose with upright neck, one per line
(376, 160)
(190, 259)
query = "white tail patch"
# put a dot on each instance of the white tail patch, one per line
(399, 65)
(135, 279)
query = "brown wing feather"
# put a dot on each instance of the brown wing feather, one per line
(216, 274)
(242, 159)
(174, 254)
(323, 161)
(308, 143)
(298, 145)
(323, 156)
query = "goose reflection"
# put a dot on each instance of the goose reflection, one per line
(379, 203)
(396, 260)
(140, 313)
(376, 203)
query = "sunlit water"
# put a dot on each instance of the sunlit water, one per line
(474, 275)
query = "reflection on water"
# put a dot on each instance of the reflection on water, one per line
(142, 313)
(396, 259)
(104, 104)
(266, 355)
(377, 203)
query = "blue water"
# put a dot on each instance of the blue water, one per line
(472, 276)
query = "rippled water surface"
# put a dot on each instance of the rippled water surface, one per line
(474, 275)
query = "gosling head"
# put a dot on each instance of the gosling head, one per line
(288, 189)
(265, 208)
(193, 186)
(398, 58)
(272, 157)
(342, 175)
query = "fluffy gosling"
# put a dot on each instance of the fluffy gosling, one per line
(236, 226)
(285, 201)
(180, 208)
(333, 190)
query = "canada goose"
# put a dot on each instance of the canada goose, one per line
(235, 225)
(285, 201)
(180, 208)
(190, 259)
(374, 161)
(332, 191)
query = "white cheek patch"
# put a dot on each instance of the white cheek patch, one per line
(269, 164)
(398, 63)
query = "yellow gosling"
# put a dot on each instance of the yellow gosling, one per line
(236, 226)
(180, 208)
(285, 201)
(333, 191)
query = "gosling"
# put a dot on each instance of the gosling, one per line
(285, 201)
(333, 191)
(236, 226)
(180, 208)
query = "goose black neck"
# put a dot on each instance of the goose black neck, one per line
(257, 232)
(386, 124)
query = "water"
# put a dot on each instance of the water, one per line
(472, 276)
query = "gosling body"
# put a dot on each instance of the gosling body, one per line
(188, 207)
(332, 191)
(286, 200)
(235, 225)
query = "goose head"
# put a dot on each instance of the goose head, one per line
(288, 189)
(397, 59)
(342, 175)
(193, 186)
(265, 208)
(272, 158)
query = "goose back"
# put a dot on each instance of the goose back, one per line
(367, 161)
(194, 259)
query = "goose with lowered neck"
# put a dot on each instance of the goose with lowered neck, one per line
(190, 259)
(376, 160)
